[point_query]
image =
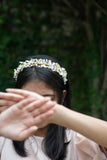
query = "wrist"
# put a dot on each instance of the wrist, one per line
(57, 117)
(53, 118)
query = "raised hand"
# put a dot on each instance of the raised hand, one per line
(20, 120)
(26, 93)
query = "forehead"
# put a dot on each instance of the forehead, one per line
(39, 87)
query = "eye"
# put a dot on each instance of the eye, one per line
(51, 96)
(52, 99)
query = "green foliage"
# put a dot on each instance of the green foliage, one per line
(56, 29)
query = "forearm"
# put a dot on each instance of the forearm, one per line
(90, 127)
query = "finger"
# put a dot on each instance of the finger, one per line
(6, 102)
(47, 106)
(36, 104)
(22, 104)
(3, 108)
(24, 93)
(40, 119)
(11, 96)
(27, 133)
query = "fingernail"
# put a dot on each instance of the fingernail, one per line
(47, 98)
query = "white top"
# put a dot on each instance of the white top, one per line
(79, 148)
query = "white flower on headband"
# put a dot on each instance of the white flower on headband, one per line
(41, 63)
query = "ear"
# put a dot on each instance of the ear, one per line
(64, 95)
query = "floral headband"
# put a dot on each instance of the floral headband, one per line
(45, 63)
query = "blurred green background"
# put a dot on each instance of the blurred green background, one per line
(73, 32)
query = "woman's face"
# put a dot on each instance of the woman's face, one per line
(41, 88)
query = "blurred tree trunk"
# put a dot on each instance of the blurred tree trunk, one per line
(86, 17)
(103, 48)
(93, 83)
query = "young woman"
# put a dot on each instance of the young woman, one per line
(42, 75)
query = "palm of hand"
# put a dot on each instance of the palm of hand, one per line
(17, 123)
(21, 119)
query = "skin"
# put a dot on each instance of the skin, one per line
(90, 127)
(44, 90)
(24, 115)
